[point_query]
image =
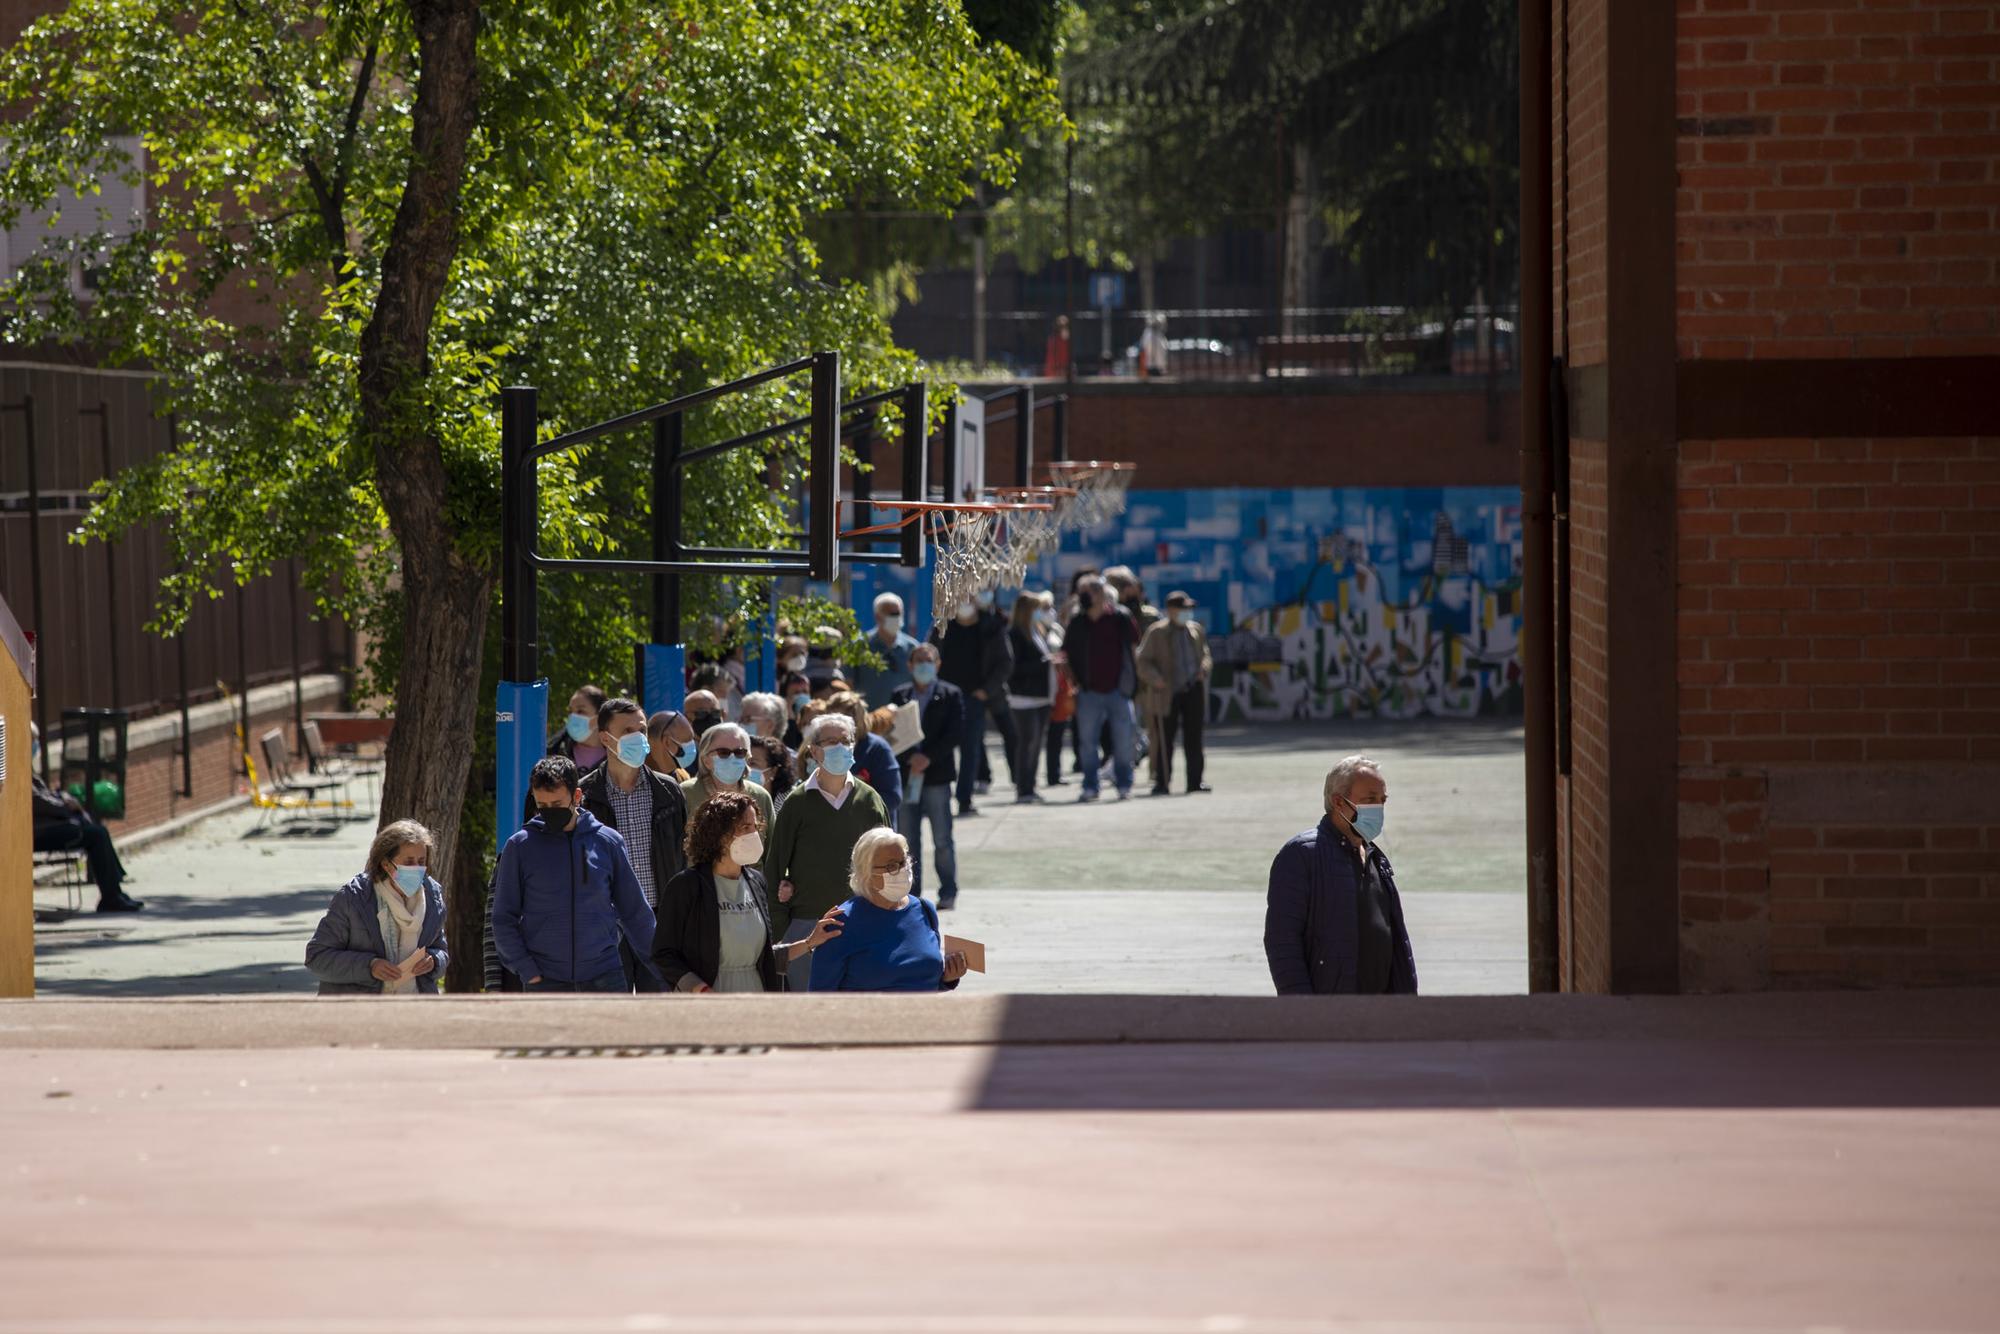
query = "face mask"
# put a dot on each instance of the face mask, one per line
(745, 849)
(1043, 616)
(580, 726)
(1177, 617)
(795, 663)
(410, 879)
(892, 625)
(966, 611)
(730, 769)
(1367, 821)
(985, 601)
(837, 759)
(555, 817)
(895, 885)
(684, 757)
(701, 722)
(923, 673)
(632, 749)
(799, 702)
(756, 777)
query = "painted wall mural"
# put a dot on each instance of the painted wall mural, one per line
(1324, 602)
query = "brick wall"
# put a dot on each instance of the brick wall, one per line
(1839, 683)
(1583, 817)
(1582, 234)
(1839, 175)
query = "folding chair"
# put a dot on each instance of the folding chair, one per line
(308, 793)
(322, 760)
(72, 878)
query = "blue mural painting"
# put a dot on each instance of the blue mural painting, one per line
(1319, 602)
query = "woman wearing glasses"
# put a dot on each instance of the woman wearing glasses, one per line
(889, 940)
(722, 764)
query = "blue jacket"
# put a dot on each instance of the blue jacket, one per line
(349, 938)
(875, 765)
(881, 950)
(944, 727)
(1311, 918)
(560, 898)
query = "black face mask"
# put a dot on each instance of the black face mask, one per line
(554, 816)
(701, 722)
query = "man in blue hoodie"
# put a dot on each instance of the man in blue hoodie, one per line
(564, 889)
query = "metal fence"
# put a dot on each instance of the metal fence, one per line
(88, 603)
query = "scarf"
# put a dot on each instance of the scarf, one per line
(402, 928)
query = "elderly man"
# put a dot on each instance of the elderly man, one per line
(894, 644)
(1333, 924)
(929, 770)
(671, 740)
(1174, 666)
(812, 842)
(703, 709)
(1099, 644)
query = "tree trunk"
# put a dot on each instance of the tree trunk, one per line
(446, 595)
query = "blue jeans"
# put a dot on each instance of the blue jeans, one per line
(612, 982)
(971, 746)
(934, 805)
(1094, 708)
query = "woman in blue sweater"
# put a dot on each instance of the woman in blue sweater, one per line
(891, 941)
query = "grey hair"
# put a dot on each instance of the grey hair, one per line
(392, 839)
(818, 726)
(1340, 778)
(714, 736)
(861, 867)
(888, 599)
(763, 704)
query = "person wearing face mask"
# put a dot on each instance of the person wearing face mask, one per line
(815, 833)
(714, 933)
(999, 706)
(876, 684)
(703, 711)
(1174, 665)
(1031, 693)
(565, 898)
(576, 739)
(671, 745)
(797, 689)
(874, 763)
(383, 933)
(890, 940)
(1333, 921)
(61, 824)
(974, 656)
(646, 808)
(1062, 708)
(723, 765)
(1098, 647)
(771, 769)
(765, 715)
(928, 770)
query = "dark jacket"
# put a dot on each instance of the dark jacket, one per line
(876, 765)
(1311, 918)
(1076, 647)
(943, 720)
(349, 938)
(669, 816)
(1030, 678)
(996, 657)
(688, 940)
(50, 808)
(560, 899)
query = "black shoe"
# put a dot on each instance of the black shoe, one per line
(1200, 787)
(1029, 799)
(968, 811)
(1086, 796)
(1057, 782)
(1162, 790)
(119, 903)
(946, 905)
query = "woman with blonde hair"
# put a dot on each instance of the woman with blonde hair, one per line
(383, 934)
(722, 764)
(890, 940)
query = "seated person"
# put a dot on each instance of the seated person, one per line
(890, 941)
(63, 825)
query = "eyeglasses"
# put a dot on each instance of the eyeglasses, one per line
(737, 754)
(897, 865)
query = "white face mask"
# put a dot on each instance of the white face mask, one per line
(966, 611)
(745, 849)
(795, 663)
(895, 885)
(892, 625)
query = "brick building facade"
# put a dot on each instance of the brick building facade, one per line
(1776, 504)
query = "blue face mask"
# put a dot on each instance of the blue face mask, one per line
(838, 760)
(800, 701)
(756, 777)
(1367, 821)
(580, 726)
(923, 673)
(685, 757)
(632, 749)
(410, 879)
(729, 769)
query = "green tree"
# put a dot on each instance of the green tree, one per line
(420, 199)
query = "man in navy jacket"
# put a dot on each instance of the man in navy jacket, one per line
(931, 767)
(1333, 924)
(564, 889)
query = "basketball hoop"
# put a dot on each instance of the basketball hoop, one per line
(1036, 533)
(978, 546)
(1100, 488)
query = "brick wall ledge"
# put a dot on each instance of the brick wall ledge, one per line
(537, 1022)
(165, 727)
(1302, 386)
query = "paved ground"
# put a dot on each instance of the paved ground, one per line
(1746, 1174)
(1152, 895)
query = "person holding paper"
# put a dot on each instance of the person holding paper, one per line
(928, 771)
(383, 933)
(890, 940)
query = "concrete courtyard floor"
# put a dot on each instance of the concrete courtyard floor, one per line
(1261, 1166)
(1154, 895)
